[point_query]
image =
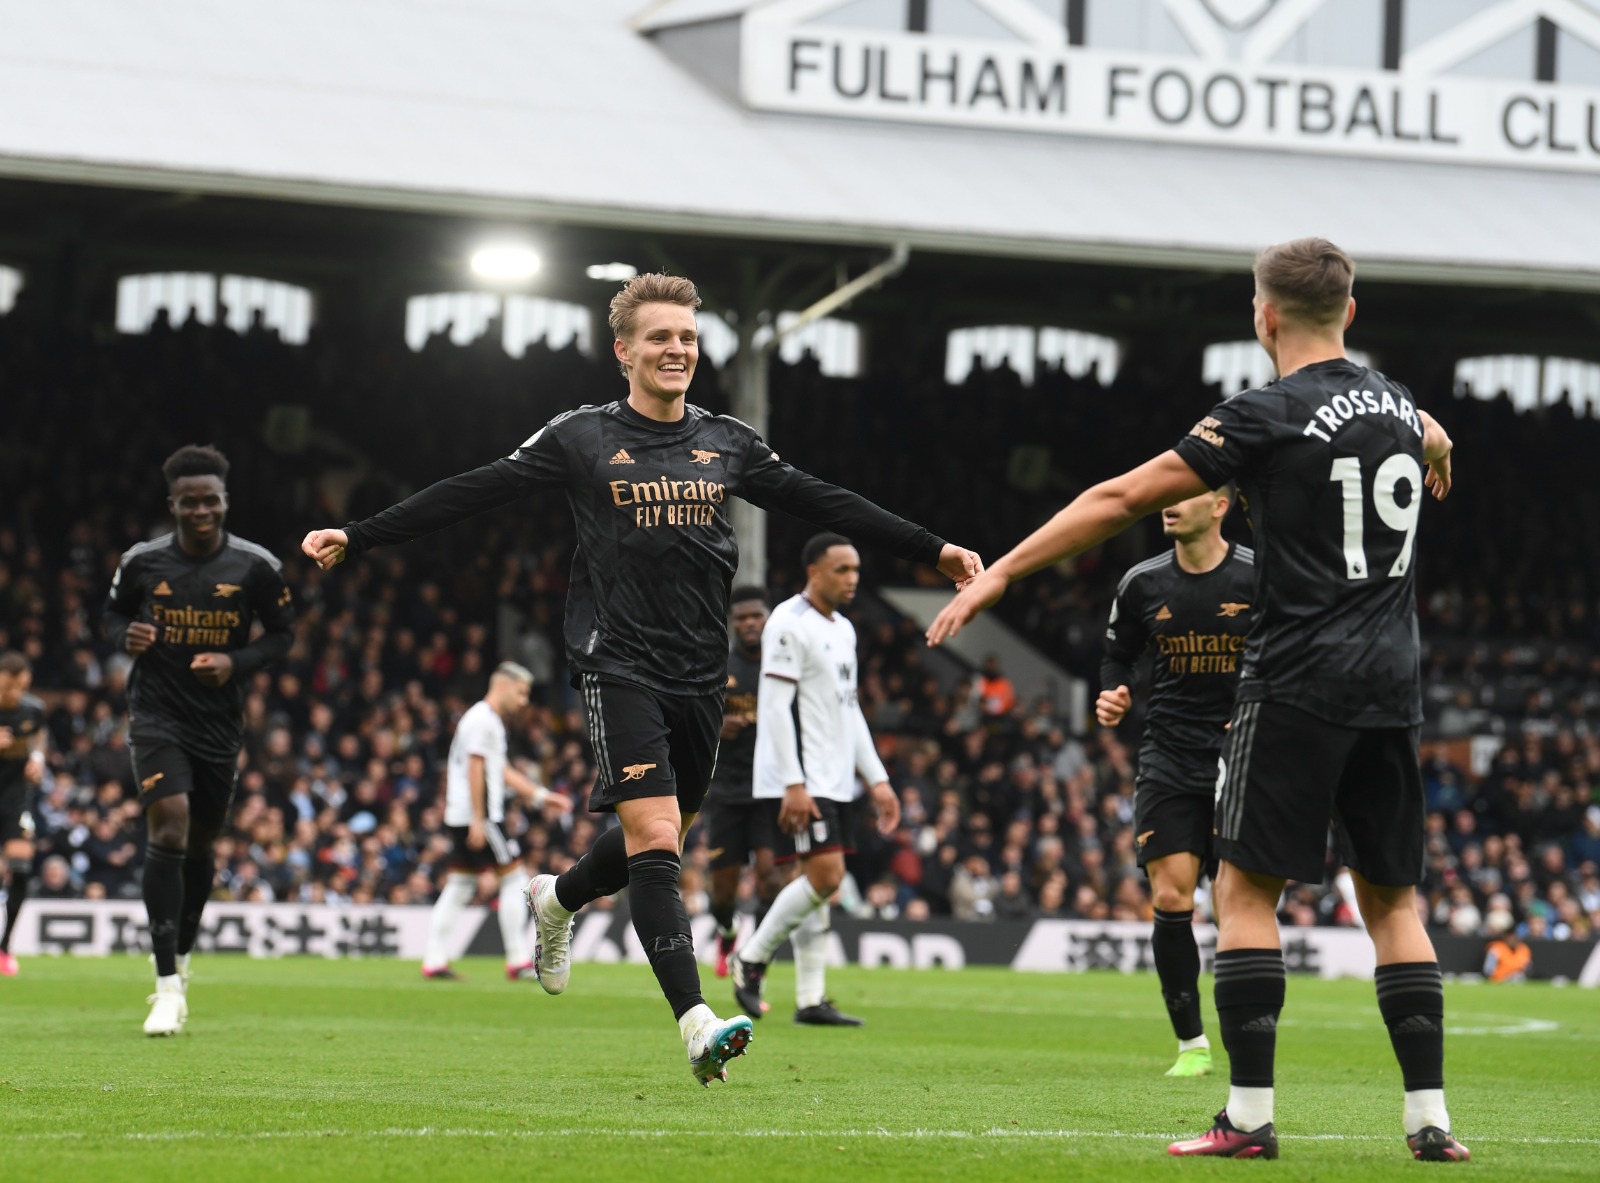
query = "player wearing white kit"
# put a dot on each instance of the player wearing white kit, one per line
(812, 745)
(476, 777)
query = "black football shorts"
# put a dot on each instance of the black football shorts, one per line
(1168, 819)
(165, 769)
(16, 819)
(650, 744)
(497, 852)
(735, 830)
(1286, 774)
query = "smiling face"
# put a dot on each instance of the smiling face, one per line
(199, 505)
(661, 353)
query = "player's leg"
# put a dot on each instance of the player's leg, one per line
(820, 850)
(209, 803)
(1280, 771)
(813, 1008)
(727, 835)
(1173, 878)
(512, 913)
(1381, 810)
(621, 718)
(165, 772)
(455, 893)
(1173, 821)
(770, 878)
(19, 864)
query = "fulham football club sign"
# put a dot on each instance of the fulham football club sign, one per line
(1441, 80)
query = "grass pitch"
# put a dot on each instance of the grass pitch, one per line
(310, 1070)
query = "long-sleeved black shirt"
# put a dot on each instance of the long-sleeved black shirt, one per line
(648, 601)
(198, 605)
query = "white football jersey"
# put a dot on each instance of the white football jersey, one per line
(822, 741)
(481, 732)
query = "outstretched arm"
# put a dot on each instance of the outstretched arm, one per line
(1096, 515)
(772, 484)
(441, 504)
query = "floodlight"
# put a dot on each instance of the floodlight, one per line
(505, 262)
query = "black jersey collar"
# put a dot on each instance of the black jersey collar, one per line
(632, 416)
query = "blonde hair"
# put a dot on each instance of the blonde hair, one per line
(651, 288)
(1309, 279)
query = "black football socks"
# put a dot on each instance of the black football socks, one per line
(163, 902)
(662, 923)
(1177, 958)
(602, 871)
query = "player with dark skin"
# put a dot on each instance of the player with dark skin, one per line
(748, 617)
(199, 506)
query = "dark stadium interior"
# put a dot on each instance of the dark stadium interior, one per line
(1010, 808)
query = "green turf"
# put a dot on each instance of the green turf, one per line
(309, 1070)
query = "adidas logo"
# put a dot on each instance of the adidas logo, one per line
(622, 457)
(1264, 1023)
(1414, 1025)
(162, 589)
(1164, 613)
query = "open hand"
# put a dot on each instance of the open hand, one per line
(982, 591)
(1437, 478)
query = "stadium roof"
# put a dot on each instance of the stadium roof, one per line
(566, 110)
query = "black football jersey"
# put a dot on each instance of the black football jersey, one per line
(1194, 627)
(1329, 465)
(198, 605)
(737, 756)
(24, 721)
(656, 556)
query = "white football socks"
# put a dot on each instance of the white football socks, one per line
(811, 958)
(1185, 1045)
(1425, 1107)
(514, 919)
(794, 903)
(693, 1019)
(1249, 1109)
(453, 900)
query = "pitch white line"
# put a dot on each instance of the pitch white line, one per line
(947, 1135)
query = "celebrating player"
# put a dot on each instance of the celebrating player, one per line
(1191, 606)
(22, 757)
(812, 746)
(648, 478)
(1330, 459)
(183, 605)
(476, 776)
(738, 827)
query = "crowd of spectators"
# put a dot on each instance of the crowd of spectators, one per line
(1011, 810)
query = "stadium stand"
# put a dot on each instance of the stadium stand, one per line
(1015, 814)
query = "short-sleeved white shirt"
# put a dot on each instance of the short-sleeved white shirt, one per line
(481, 732)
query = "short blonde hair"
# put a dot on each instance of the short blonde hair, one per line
(1308, 278)
(651, 288)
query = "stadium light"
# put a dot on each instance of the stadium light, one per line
(615, 272)
(506, 262)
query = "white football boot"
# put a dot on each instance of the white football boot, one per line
(169, 1009)
(552, 949)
